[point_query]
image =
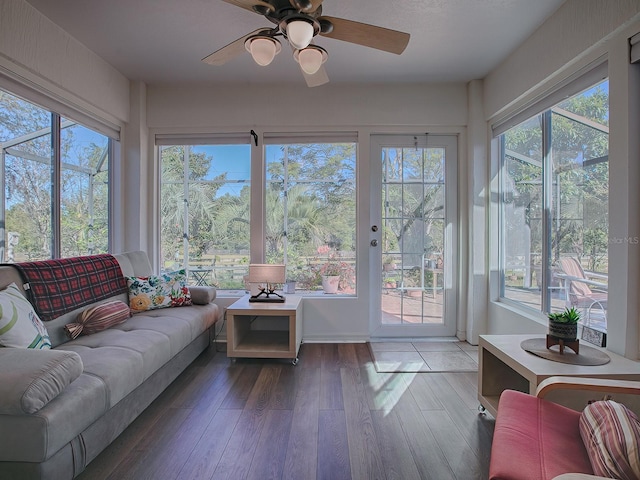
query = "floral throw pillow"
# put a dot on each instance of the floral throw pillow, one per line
(20, 326)
(158, 291)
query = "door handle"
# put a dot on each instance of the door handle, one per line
(374, 243)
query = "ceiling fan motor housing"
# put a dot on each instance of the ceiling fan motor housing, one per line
(299, 16)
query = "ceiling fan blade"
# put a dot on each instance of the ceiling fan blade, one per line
(317, 79)
(229, 52)
(367, 35)
(249, 4)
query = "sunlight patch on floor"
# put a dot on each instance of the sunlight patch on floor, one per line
(427, 356)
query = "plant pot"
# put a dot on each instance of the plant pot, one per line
(290, 287)
(564, 331)
(330, 283)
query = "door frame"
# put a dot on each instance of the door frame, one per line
(451, 241)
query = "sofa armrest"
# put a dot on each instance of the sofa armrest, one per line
(587, 384)
(29, 379)
(201, 295)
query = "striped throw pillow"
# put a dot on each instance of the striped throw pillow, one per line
(20, 326)
(611, 435)
(98, 317)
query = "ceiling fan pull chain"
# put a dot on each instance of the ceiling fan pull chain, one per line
(255, 136)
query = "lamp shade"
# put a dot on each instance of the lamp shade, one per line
(266, 273)
(299, 33)
(263, 49)
(311, 58)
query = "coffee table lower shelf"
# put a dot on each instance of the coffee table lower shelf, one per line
(264, 343)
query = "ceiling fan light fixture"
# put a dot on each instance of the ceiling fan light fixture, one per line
(300, 33)
(311, 58)
(262, 48)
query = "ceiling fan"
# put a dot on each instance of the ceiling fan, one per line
(299, 21)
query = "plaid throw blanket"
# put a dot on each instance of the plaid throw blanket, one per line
(59, 286)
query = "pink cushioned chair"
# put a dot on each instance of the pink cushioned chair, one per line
(536, 439)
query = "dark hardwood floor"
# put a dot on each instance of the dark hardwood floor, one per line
(330, 417)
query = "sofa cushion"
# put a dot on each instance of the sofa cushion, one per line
(179, 325)
(127, 354)
(535, 439)
(36, 377)
(98, 317)
(19, 325)
(611, 434)
(159, 291)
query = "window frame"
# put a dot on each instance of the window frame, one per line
(56, 111)
(543, 110)
(258, 175)
(348, 270)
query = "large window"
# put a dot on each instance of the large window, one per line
(311, 212)
(306, 199)
(55, 176)
(205, 200)
(554, 207)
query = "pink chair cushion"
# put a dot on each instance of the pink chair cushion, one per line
(535, 439)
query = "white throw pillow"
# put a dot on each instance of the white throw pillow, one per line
(20, 327)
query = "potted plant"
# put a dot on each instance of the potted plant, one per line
(388, 263)
(391, 282)
(564, 325)
(331, 270)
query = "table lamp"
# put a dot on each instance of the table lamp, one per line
(267, 275)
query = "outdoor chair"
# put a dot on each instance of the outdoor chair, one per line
(584, 291)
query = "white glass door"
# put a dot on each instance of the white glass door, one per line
(414, 217)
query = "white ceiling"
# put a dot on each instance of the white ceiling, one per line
(163, 41)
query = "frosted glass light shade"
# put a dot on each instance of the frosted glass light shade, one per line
(299, 33)
(311, 58)
(263, 49)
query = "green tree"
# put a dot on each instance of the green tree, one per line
(580, 177)
(199, 204)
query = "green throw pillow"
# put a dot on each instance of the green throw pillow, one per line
(20, 326)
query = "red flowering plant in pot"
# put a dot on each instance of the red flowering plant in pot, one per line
(335, 272)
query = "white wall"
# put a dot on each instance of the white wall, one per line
(364, 109)
(327, 107)
(581, 32)
(39, 53)
(564, 41)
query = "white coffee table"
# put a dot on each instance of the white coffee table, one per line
(503, 364)
(265, 330)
